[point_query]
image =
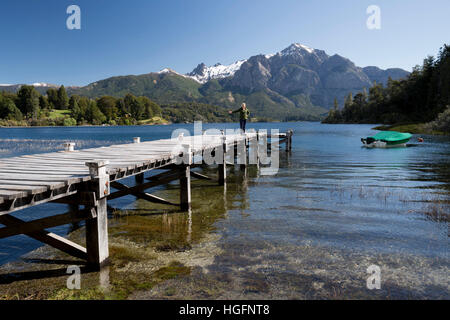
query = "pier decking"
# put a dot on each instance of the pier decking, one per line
(83, 179)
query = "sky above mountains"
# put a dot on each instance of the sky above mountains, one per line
(141, 36)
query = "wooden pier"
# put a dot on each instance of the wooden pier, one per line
(83, 180)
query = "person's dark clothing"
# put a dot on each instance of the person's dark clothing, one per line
(243, 123)
(243, 116)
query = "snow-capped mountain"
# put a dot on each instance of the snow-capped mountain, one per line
(298, 80)
(36, 84)
(43, 84)
(294, 49)
(168, 70)
(203, 74)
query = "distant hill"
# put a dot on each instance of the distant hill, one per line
(297, 83)
(378, 75)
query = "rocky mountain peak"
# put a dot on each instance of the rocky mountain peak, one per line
(297, 48)
(198, 71)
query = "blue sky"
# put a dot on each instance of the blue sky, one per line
(120, 37)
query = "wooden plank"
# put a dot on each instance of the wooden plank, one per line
(28, 189)
(11, 195)
(199, 176)
(49, 238)
(50, 186)
(44, 223)
(142, 195)
(144, 186)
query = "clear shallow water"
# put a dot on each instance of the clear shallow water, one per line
(333, 207)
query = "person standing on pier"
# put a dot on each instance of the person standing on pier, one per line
(243, 115)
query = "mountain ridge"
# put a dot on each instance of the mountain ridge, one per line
(297, 82)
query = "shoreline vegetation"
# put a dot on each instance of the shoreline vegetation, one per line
(418, 104)
(28, 108)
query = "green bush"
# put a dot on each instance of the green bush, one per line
(442, 122)
(69, 122)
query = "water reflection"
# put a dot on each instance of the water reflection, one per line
(310, 231)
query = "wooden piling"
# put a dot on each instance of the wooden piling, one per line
(289, 140)
(243, 155)
(253, 152)
(139, 178)
(185, 179)
(223, 164)
(69, 146)
(97, 227)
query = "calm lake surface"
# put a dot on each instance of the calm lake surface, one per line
(333, 209)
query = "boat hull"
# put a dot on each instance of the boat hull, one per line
(381, 144)
(390, 139)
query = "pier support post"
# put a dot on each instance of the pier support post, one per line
(139, 178)
(223, 164)
(289, 141)
(97, 227)
(185, 179)
(69, 146)
(242, 155)
(253, 153)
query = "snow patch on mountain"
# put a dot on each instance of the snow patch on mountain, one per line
(36, 84)
(203, 73)
(295, 48)
(42, 84)
(168, 70)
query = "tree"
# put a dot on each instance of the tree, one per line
(74, 108)
(63, 99)
(52, 97)
(28, 101)
(43, 103)
(93, 114)
(8, 109)
(107, 106)
(133, 106)
(151, 109)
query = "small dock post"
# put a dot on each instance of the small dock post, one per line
(289, 134)
(97, 227)
(185, 179)
(223, 164)
(69, 146)
(253, 156)
(243, 155)
(139, 178)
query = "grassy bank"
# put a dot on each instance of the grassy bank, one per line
(62, 118)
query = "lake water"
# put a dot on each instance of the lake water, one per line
(312, 230)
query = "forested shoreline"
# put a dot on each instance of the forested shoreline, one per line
(28, 107)
(422, 98)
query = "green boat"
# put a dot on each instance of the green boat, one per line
(387, 139)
